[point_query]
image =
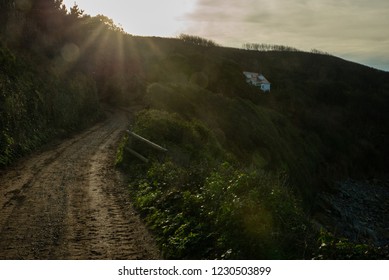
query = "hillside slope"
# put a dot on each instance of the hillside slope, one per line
(335, 110)
(324, 121)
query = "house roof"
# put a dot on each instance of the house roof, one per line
(256, 77)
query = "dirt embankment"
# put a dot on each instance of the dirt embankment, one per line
(68, 202)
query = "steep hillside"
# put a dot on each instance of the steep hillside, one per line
(325, 118)
(42, 94)
(234, 150)
(37, 104)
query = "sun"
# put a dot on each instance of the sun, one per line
(142, 17)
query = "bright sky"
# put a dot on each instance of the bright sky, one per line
(356, 30)
(164, 18)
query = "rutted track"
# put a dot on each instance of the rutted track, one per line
(68, 202)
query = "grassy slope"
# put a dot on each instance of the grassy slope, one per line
(332, 113)
(325, 119)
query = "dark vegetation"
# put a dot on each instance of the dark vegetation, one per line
(243, 168)
(268, 47)
(43, 94)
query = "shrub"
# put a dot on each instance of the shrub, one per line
(36, 104)
(200, 208)
(335, 248)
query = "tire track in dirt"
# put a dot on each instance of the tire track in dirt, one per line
(70, 203)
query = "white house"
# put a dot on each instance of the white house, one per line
(257, 80)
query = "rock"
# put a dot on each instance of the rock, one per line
(357, 210)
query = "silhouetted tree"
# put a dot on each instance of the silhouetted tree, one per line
(76, 12)
(109, 23)
(268, 47)
(196, 40)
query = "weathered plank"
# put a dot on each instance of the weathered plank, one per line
(151, 144)
(136, 154)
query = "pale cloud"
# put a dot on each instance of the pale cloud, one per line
(357, 30)
(354, 29)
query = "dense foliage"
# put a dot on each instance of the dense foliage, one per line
(201, 205)
(41, 94)
(36, 104)
(335, 248)
(48, 84)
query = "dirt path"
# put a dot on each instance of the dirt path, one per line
(68, 202)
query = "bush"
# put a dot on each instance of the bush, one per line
(228, 213)
(335, 248)
(187, 141)
(255, 214)
(200, 208)
(36, 104)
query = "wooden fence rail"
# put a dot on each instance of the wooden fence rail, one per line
(146, 141)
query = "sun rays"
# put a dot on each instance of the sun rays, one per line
(143, 18)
